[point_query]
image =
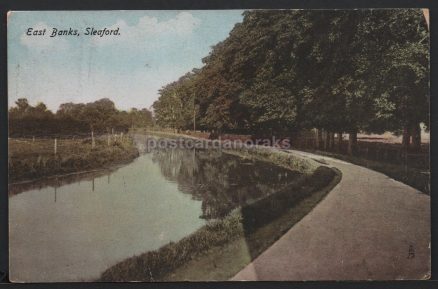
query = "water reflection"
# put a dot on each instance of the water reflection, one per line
(221, 181)
(73, 231)
(58, 181)
(74, 227)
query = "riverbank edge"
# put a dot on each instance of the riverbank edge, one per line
(215, 243)
(99, 159)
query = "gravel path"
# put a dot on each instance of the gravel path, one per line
(369, 227)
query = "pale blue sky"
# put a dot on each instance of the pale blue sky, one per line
(154, 48)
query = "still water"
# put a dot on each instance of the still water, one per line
(75, 229)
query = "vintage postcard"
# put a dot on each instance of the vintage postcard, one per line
(214, 145)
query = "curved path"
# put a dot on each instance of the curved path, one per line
(368, 227)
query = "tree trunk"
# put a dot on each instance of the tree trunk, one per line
(352, 142)
(332, 140)
(406, 139)
(326, 140)
(318, 138)
(339, 141)
(416, 137)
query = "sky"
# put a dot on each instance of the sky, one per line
(153, 49)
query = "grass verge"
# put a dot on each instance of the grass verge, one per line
(221, 248)
(34, 159)
(280, 158)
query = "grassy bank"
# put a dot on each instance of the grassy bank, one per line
(221, 248)
(32, 159)
(280, 158)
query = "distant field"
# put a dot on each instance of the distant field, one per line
(390, 138)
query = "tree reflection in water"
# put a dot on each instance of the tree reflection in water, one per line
(220, 180)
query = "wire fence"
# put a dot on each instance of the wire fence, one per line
(58, 145)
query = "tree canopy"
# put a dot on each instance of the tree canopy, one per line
(281, 71)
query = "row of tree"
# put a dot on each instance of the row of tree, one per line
(73, 118)
(282, 72)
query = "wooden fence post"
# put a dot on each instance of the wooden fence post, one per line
(92, 140)
(109, 139)
(56, 147)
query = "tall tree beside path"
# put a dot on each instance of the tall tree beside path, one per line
(340, 71)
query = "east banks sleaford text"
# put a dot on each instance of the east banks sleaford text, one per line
(56, 32)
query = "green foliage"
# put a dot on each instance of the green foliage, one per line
(71, 118)
(281, 71)
(176, 106)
